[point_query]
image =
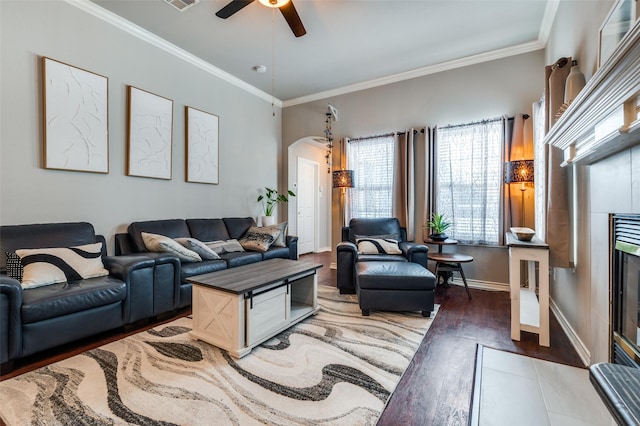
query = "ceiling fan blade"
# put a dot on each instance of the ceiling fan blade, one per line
(293, 19)
(232, 8)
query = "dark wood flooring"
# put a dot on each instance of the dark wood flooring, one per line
(436, 388)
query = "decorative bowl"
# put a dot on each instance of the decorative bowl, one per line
(523, 234)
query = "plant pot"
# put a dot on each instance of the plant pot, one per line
(268, 220)
(438, 237)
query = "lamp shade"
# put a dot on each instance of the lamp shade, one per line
(518, 171)
(343, 179)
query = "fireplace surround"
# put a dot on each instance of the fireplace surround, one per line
(625, 289)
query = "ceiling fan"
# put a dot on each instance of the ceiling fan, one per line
(286, 7)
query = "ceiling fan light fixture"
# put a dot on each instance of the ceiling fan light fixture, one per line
(274, 3)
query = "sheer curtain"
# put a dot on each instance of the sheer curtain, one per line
(372, 160)
(468, 179)
(540, 166)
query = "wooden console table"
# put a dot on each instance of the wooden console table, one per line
(528, 312)
(237, 309)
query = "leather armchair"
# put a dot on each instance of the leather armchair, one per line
(347, 251)
(36, 319)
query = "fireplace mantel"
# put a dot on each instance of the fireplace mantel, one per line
(605, 116)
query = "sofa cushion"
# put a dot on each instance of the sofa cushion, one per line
(238, 226)
(273, 252)
(378, 246)
(191, 269)
(42, 235)
(172, 228)
(162, 244)
(242, 258)
(384, 226)
(66, 298)
(59, 264)
(198, 247)
(259, 238)
(208, 229)
(381, 257)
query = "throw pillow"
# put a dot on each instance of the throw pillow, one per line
(14, 266)
(198, 247)
(259, 239)
(55, 265)
(378, 246)
(281, 240)
(221, 246)
(161, 244)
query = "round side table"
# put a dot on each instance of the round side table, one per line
(440, 243)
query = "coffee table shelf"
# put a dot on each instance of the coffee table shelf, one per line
(237, 309)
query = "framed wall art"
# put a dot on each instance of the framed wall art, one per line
(202, 149)
(149, 134)
(616, 25)
(76, 118)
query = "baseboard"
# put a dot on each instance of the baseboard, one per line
(575, 340)
(323, 249)
(481, 285)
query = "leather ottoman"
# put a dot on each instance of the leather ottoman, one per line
(394, 286)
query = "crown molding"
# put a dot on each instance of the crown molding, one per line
(547, 20)
(147, 36)
(420, 72)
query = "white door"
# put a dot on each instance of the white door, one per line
(306, 198)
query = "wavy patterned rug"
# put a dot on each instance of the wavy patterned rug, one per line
(336, 368)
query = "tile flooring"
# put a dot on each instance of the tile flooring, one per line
(521, 390)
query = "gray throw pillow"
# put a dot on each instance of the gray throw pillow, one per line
(198, 247)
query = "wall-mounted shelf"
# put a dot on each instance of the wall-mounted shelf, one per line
(605, 117)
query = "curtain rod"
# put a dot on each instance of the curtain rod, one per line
(452, 126)
(400, 132)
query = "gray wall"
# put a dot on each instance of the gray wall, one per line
(582, 294)
(487, 90)
(249, 134)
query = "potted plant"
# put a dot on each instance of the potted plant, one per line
(270, 200)
(438, 225)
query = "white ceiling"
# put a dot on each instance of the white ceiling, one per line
(350, 44)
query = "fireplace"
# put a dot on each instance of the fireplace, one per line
(625, 290)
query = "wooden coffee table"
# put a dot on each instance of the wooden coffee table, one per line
(451, 262)
(237, 309)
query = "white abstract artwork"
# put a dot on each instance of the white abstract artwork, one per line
(150, 135)
(76, 118)
(202, 146)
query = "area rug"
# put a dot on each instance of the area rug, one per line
(335, 368)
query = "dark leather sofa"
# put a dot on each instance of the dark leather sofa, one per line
(36, 319)
(348, 256)
(169, 267)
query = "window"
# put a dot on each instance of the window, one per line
(468, 179)
(371, 159)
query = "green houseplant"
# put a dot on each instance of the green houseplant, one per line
(438, 225)
(271, 198)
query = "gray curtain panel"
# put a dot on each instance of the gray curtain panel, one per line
(404, 182)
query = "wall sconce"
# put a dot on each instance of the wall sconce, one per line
(520, 171)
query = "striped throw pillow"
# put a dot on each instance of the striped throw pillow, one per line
(378, 246)
(56, 265)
